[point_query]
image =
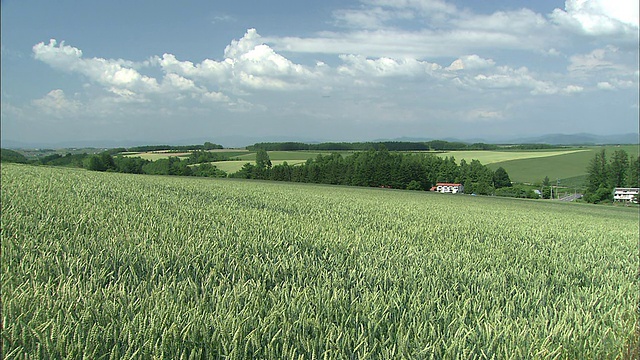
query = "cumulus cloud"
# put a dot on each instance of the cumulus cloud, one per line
(57, 104)
(572, 89)
(470, 62)
(605, 85)
(505, 78)
(248, 63)
(599, 17)
(355, 65)
(118, 73)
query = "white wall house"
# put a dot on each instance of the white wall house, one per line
(626, 194)
(448, 188)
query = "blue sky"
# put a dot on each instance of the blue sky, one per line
(167, 71)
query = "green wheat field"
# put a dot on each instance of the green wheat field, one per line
(117, 266)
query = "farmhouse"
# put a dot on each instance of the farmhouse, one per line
(626, 194)
(448, 188)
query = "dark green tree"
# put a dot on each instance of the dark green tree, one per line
(414, 185)
(93, 163)
(597, 173)
(107, 161)
(501, 178)
(618, 169)
(633, 174)
(262, 159)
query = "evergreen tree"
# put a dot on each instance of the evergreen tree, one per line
(501, 178)
(618, 169)
(597, 172)
(633, 174)
(262, 160)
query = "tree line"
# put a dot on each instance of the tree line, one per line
(105, 161)
(169, 166)
(170, 148)
(604, 175)
(381, 168)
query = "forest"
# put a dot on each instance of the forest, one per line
(381, 168)
(603, 176)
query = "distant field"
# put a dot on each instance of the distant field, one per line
(277, 158)
(489, 157)
(157, 155)
(286, 155)
(234, 165)
(106, 265)
(153, 156)
(570, 165)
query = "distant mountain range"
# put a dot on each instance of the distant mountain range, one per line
(242, 141)
(551, 139)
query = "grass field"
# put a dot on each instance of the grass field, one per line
(489, 157)
(561, 166)
(233, 166)
(153, 156)
(277, 158)
(289, 155)
(108, 265)
(157, 155)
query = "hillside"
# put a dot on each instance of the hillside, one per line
(563, 166)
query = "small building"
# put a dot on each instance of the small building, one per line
(626, 194)
(451, 188)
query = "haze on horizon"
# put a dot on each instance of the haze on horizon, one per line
(161, 71)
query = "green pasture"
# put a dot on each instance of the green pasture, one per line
(286, 155)
(157, 155)
(107, 265)
(571, 165)
(489, 156)
(233, 166)
(153, 156)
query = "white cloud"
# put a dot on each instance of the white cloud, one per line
(470, 62)
(56, 103)
(506, 78)
(572, 89)
(248, 63)
(599, 17)
(223, 19)
(117, 73)
(210, 70)
(482, 115)
(395, 43)
(374, 18)
(439, 29)
(605, 85)
(359, 66)
(598, 59)
(523, 21)
(435, 8)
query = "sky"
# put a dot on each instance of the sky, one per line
(149, 72)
